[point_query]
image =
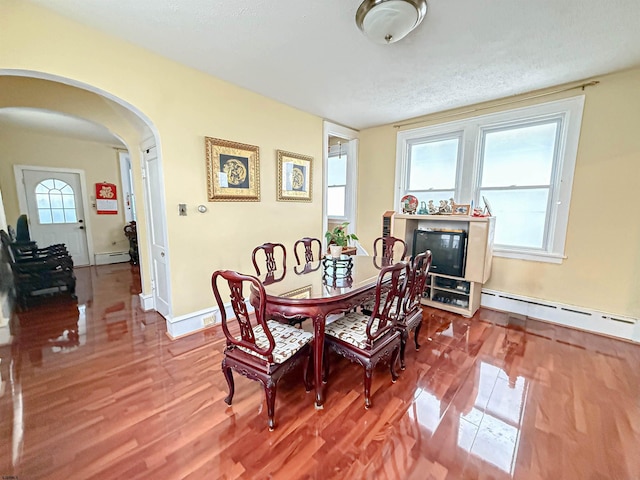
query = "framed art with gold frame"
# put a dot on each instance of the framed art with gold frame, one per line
(294, 177)
(233, 171)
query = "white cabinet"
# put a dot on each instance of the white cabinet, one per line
(455, 294)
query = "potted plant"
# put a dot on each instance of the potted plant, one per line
(339, 238)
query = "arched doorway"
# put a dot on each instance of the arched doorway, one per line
(156, 291)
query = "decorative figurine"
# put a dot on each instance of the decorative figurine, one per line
(423, 209)
(432, 208)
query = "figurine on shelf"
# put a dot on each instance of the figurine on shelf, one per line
(444, 205)
(423, 209)
(432, 208)
(451, 205)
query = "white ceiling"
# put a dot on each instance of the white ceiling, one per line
(310, 54)
(55, 123)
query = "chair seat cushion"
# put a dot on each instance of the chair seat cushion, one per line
(288, 341)
(352, 328)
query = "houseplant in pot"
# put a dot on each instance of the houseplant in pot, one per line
(339, 238)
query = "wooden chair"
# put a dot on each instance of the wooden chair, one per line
(411, 314)
(308, 243)
(270, 250)
(370, 339)
(386, 246)
(39, 272)
(263, 350)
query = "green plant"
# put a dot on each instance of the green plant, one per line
(339, 235)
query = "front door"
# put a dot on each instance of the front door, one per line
(56, 213)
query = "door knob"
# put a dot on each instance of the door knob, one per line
(162, 254)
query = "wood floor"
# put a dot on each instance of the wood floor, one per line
(103, 393)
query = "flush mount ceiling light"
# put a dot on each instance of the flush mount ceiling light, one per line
(387, 21)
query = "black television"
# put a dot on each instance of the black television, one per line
(448, 250)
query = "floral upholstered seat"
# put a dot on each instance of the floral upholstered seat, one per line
(288, 340)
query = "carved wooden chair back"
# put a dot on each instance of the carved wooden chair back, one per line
(411, 316)
(390, 292)
(270, 250)
(236, 283)
(420, 266)
(308, 243)
(386, 247)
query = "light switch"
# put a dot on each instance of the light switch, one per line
(182, 209)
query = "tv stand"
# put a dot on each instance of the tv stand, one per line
(455, 294)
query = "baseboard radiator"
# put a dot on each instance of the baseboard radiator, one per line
(111, 257)
(561, 314)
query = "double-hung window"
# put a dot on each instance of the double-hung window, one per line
(337, 182)
(519, 163)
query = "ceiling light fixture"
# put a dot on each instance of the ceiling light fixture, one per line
(387, 21)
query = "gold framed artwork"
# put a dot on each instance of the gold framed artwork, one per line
(295, 177)
(233, 171)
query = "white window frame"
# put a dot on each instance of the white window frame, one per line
(569, 110)
(351, 136)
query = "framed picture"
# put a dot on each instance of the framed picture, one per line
(461, 209)
(233, 171)
(294, 177)
(487, 206)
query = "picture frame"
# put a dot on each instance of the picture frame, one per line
(294, 177)
(233, 171)
(487, 206)
(461, 209)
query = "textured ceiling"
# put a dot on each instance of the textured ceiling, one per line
(310, 54)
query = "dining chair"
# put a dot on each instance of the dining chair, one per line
(262, 350)
(410, 317)
(270, 250)
(370, 339)
(308, 243)
(386, 245)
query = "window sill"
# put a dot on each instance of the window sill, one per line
(530, 256)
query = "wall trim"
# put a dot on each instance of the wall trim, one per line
(572, 316)
(146, 302)
(196, 321)
(107, 258)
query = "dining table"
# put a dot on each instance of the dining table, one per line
(316, 291)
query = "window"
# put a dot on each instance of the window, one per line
(521, 161)
(56, 202)
(433, 167)
(337, 181)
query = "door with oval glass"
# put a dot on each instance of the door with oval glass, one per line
(56, 213)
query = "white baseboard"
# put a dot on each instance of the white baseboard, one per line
(146, 302)
(111, 257)
(196, 321)
(567, 315)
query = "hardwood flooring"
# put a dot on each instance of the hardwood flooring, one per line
(104, 393)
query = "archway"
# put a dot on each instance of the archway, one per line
(139, 135)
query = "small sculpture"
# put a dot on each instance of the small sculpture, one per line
(423, 209)
(432, 208)
(443, 206)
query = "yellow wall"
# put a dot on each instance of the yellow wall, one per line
(184, 105)
(602, 267)
(99, 162)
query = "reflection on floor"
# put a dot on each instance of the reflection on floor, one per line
(95, 389)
